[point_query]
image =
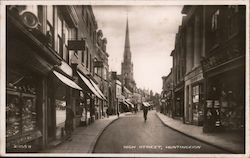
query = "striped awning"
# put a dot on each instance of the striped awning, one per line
(89, 85)
(66, 80)
(98, 90)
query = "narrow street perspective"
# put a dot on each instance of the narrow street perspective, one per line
(131, 134)
(113, 79)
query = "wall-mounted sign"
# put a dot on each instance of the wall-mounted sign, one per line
(76, 45)
(29, 19)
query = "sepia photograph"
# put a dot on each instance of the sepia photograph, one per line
(124, 78)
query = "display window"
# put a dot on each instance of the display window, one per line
(197, 93)
(20, 106)
(21, 111)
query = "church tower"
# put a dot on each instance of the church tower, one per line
(127, 65)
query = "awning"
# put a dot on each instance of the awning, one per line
(66, 80)
(126, 104)
(146, 104)
(98, 90)
(87, 82)
(132, 105)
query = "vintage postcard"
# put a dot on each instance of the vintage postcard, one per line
(137, 78)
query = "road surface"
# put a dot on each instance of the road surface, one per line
(130, 134)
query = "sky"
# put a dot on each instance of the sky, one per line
(152, 31)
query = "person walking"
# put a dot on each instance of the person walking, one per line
(107, 112)
(69, 122)
(145, 112)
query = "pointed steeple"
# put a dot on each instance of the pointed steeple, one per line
(127, 42)
(127, 65)
(127, 52)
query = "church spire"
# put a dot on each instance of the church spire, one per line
(127, 52)
(127, 42)
(127, 65)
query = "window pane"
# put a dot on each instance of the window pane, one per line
(50, 14)
(33, 9)
(83, 53)
(59, 22)
(66, 33)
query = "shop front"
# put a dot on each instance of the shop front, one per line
(169, 104)
(28, 65)
(198, 103)
(23, 132)
(60, 97)
(225, 91)
(194, 95)
(226, 101)
(91, 99)
(178, 102)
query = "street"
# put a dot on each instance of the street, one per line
(130, 134)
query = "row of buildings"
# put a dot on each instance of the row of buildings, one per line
(206, 85)
(56, 58)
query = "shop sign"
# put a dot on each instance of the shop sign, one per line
(76, 45)
(29, 19)
(98, 64)
(196, 78)
(222, 56)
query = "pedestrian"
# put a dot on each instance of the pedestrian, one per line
(107, 112)
(145, 112)
(69, 122)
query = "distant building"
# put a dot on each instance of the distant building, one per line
(178, 73)
(127, 73)
(167, 107)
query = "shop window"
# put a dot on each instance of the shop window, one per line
(60, 111)
(215, 27)
(66, 36)
(33, 9)
(197, 104)
(21, 113)
(59, 37)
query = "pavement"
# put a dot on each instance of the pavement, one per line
(84, 138)
(229, 141)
